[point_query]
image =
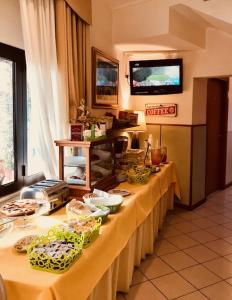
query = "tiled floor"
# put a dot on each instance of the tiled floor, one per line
(193, 256)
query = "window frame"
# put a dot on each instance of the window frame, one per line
(17, 56)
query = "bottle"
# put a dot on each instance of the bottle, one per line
(92, 131)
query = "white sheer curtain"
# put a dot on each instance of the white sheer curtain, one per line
(49, 112)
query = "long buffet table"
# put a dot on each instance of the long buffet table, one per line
(107, 265)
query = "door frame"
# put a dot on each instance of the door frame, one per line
(222, 183)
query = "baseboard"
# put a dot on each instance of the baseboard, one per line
(189, 207)
(228, 185)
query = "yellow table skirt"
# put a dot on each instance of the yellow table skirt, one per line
(124, 240)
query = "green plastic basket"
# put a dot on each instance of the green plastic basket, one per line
(138, 175)
(45, 262)
(92, 234)
(87, 237)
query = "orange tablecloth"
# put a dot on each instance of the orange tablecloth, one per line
(24, 283)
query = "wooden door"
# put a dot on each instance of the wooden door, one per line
(217, 114)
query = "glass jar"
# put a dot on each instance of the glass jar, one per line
(156, 156)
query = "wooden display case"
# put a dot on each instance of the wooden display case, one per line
(86, 165)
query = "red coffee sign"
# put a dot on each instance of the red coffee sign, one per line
(169, 110)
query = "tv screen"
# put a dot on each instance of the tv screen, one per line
(156, 77)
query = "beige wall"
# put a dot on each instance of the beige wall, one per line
(10, 23)
(101, 30)
(215, 60)
(198, 163)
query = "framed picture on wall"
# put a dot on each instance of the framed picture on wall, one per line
(105, 71)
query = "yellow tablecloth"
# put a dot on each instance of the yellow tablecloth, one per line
(24, 283)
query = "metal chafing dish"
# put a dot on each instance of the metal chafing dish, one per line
(55, 192)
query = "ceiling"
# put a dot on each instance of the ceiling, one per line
(186, 26)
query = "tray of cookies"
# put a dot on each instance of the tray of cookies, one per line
(23, 208)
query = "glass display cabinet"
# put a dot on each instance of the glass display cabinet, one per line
(86, 165)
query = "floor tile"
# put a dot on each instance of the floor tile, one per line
(138, 277)
(182, 241)
(199, 276)
(174, 219)
(201, 253)
(155, 267)
(202, 236)
(228, 225)
(144, 291)
(227, 215)
(229, 257)
(186, 227)
(169, 232)
(220, 231)
(204, 212)
(220, 246)
(229, 281)
(219, 291)
(173, 286)
(179, 260)
(193, 255)
(219, 218)
(189, 216)
(204, 223)
(219, 208)
(228, 239)
(193, 296)
(164, 247)
(220, 266)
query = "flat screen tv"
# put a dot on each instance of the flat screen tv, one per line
(156, 77)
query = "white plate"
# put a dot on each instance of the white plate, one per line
(112, 200)
(120, 192)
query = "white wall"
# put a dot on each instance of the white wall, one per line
(215, 60)
(10, 23)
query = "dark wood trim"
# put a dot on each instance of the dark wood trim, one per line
(228, 184)
(191, 168)
(190, 207)
(225, 131)
(182, 125)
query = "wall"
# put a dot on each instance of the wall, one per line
(10, 23)
(101, 31)
(101, 38)
(215, 60)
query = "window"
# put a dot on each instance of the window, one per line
(13, 121)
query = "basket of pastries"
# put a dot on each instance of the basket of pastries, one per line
(55, 252)
(86, 228)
